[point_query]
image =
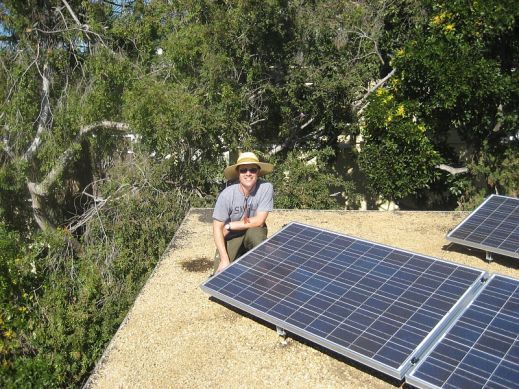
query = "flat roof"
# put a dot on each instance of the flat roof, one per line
(175, 336)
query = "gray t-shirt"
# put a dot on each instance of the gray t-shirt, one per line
(230, 205)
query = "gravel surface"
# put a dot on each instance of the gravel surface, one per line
(176, 336)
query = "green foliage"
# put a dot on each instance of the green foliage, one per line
(14, 208)
(18, 277)
(456, 75)
(60, 308)
(306, 181)
(327, 64)
(397, 158)
(500, 168)
(111, 75)
(20, 105)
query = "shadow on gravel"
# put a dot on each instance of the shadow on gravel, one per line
(197, 265)
(366, 369)
(510, 262)
(204, 215)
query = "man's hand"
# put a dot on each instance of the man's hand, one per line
(250, 222)
(223, 264)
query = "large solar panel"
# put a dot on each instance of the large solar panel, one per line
(493, 227)
(481, 349)
(373, 303)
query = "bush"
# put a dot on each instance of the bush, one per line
(60, 308)
(307, 182)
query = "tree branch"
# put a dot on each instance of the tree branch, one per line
(499, 121)
(307, 123)
(43, 187)
(452, 170)
(71, 12)
(43, 116)
(381, 82)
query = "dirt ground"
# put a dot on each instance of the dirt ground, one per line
(176, 336)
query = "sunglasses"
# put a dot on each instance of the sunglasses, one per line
(244, 170)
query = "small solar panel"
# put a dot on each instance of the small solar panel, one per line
(373, 303)
(493, 227)
(481, 349)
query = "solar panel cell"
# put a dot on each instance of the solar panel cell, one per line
(465, 379)
(505, 376)
(513, 354)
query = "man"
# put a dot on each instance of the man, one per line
(241, 210)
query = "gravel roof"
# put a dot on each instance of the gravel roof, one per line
(176, 336)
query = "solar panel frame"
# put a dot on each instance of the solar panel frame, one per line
(486, 336)
(398, 372)
(510, 221)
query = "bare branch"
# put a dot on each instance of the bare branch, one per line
(43, 117)
(71, 12)
(256, 122)
(363, 35)
(15, 82)
(452, 170)
(44, 186)
(40, 216)
(499, 122)
(98, 204)
(7, 149)
(381, 82)
(307, 123)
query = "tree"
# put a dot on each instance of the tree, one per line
(52, 95)
(397, 157)
(457, 77)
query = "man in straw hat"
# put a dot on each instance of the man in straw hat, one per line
(241, 209)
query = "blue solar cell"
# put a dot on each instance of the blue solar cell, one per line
(465, 380)
(322, 326)
(263, 303)
(513, 353)
(340, 309)
(284, 309)
(370, 302)
(505, 376)
(368, 346)
(390, 355)
(481, 349)
(302, 317)
(344, 334)
(423, 320)
(493, 227)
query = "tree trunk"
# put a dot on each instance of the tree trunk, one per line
(38, 208)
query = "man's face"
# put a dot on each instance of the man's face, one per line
(248, 175)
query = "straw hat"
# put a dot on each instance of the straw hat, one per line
(231, 172)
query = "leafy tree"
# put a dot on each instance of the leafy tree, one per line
(457, 77)
(397, 158)
(61, 81)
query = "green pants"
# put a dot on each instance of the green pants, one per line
(241, 244)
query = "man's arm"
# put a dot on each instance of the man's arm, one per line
(219, 239)
(254, 221)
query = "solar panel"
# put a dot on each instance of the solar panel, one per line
(481, 349)
(493, 227)
(373, 303)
